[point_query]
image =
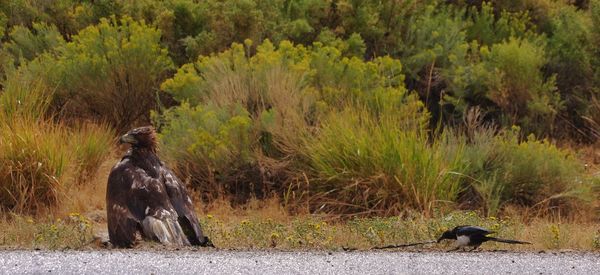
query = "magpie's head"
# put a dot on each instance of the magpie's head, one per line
(447, 235)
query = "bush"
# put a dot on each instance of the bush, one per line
(259, 94)
(209, 144)
(38, 160)
(379, 165)
(518, 87)
(39, 157)
(25, 44)
(34, 165)
(531, 173)
(490, 27)
(109, 72)
(283, 92)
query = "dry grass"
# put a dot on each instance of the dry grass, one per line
(269, 227)
(69, 224)
(266, 224)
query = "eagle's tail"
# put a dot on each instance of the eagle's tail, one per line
(507, 241)
(165, 231)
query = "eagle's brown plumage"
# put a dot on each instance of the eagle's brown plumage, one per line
(144, 196)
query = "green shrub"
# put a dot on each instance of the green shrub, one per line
(284, 91)
(489, 28)
(109, 72)
(207, 142)
(571, 52)
(25, 44)
(531, 173)
(518, 87)
(362, 163)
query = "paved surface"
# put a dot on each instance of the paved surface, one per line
(265, 262)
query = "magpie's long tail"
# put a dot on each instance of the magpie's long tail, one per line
(506, 241)
(402, 245)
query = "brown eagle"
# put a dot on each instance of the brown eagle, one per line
(143, 196)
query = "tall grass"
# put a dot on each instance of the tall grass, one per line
(34, 161)
(363, 163)
(533, 173)
(38, 156)
(39, 159)
(91, 144)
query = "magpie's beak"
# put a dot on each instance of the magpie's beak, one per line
(127, 138)
(440, 239)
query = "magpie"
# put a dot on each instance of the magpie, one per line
(466, 235)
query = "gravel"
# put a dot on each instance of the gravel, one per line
(208, 261)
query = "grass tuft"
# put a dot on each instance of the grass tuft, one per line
(372, 164)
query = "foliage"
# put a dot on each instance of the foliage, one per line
(518, 86)
(253, 97)
(207, 143)
(113, 69)
(73, 232)
(25, 44)
(533, 173)
(109, 72)
(282, 91)
(368, 164)
(435, 40)
(38, 157)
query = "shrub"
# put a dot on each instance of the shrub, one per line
(39, 157)
(518, 87)
(570, 51)
(208, 143)
(531, 173)
(283, 91)
(366, 164)
(490, 27)
(25, 44)
(109, 72)
(34, 165)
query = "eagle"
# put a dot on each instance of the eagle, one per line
(145, 198)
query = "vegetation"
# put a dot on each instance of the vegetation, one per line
(266, 225)
(338, 107)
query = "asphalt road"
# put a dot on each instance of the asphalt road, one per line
(273, 262)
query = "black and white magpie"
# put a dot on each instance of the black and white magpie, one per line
(466, 235)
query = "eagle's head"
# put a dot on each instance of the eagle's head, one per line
(142, 137)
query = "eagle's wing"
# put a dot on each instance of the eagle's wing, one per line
(182, 203)
(138, 202)
(122, 224)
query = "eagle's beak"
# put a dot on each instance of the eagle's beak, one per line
(127, 138)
